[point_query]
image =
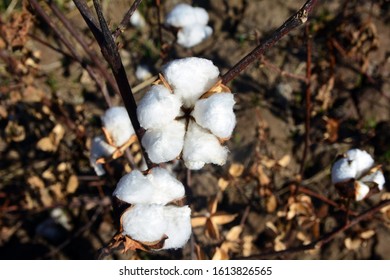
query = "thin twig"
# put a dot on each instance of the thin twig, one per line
(327, 237)
(293, 22)
(126, 19)
(307, 100)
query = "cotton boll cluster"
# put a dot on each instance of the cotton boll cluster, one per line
(118, 135)
(192, 24)
(356, 169)
(187, 113)
(149, 219)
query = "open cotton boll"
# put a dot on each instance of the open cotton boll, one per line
(216, 114)
(363, 160)
(361, 190)
(117, 122)
(190, 78)
(134, 188)
(164, 143)
(201, 147)
(166, 187)
(99, 148)
(158, 107)
(142, 72)
(343, 170)
(376, 177)
(184, 15)
(178, 226)
(137, 20)
(192, 35)
(144, 222)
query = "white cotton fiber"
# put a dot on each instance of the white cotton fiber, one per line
(361, 190)
(193, 35)
(363, 160)
(201, 147)
(118, 124)
(190, 78)
(178, 226)
(183, 15)
(376, 177)
(158, 107)
(145, 222)
(343, 170)
(142, 72)
(134, 188)
(164, 143)
(99, 148)
(166, 187)
(216, 114)
(137, 20)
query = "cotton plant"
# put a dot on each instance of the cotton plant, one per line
(191, 23)
(187, 113)
(118, 134)
(153, 221)
(355, 175)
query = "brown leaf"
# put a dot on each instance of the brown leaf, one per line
(200, 255)
(332, 129)
(367, 234)
(222, 218)
(51, 142)
(212, 229)
(16, 30)
(247, 245)
(284, 161)
(36, 182)
(234, 233)
(352, 244)
(236, 169)
(199, 221)
(46, 199)
(73, 184)
(14, 132)
(271, 203)
(223, 184)
(264, 180)
(220, 254)
(324, 95)
(57, 190)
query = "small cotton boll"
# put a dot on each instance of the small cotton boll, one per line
(363, 160)
(158, 107)
(117, 122)
(166, 187)
(376, 177)
(361, 190)
(190, 78)
(99, 148)
(134, 188)
(164, 143)
(144, 222)
(216, 114)
(193, 35)
(137, 20)
(142, 72)
(178, 226)
(184, 15)
(201, 147)
(343, 170)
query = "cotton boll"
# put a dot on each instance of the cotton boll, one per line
(142, 72)
(164, 143)
(363, 160)
(144, 222)
(192, 35)
(216, 114)
(166, 187)
(361, 190)
(376, 177)
(184, 15)
(99, 148)
(343, 170)
(201, 147)
(178, 226)
(134, 188)
(117, 122)
(137, 20)
(190, 78)
(158, 107)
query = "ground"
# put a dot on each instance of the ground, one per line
(270, 197)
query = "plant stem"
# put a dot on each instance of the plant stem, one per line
(299, 18)
(126, 19)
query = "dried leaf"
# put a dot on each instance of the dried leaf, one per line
(271, 203)
(247, 245)
(36, 182)
(284, 161)
(212, 229)
(352, 244)
(16, 30)
(220, 254)
(32, 94)
(332, 129)
(264, 180)
(51, 142)
(73, 184)
(234, 233)
(200, 255)
(324, 95)
(199, 221)
(14, 132)
(222, 218)
(367, 234)
(279, 245)
(46, 199)
(223, 184)
(236, 169)
(57, 190)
